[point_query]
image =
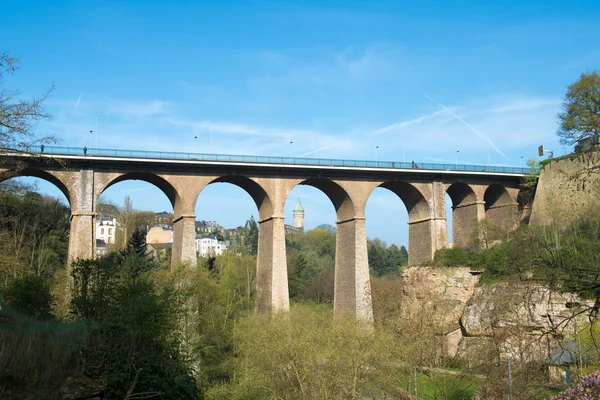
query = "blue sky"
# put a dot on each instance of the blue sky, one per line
(337, 78)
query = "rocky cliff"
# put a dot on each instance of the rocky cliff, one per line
(510, 317)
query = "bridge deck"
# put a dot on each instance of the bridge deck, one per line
(77, 152)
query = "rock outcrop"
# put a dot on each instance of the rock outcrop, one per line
(507, 317)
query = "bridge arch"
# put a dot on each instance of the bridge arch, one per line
(106, 181)
(420, 223)
(255, 190)
(41, 174)
(340, 198)
(167, 188)
(414, 201)
(464, 212)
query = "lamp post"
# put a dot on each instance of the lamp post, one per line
(91, 140)
(291, 149)
(521, 162)
(456, 161)
(210, 130)
(377, 155)
(195, 137)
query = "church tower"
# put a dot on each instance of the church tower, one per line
(299, 216)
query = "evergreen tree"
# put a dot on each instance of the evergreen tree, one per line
(395, 258)
(250, 237)
(136, 245)
(135, 257)
(377, 256)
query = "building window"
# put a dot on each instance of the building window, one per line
(110, 231)
(102, 231)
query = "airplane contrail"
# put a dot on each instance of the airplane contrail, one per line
(471, 127)
(78, 100)
(314, 151)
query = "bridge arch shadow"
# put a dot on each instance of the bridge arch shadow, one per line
(500, 210)
(419, 220)
(463, 201)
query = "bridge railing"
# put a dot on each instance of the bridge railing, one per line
(171, 155)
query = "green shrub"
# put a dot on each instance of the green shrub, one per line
(304, 354)
(134, 345)
(30, 295)
(453, 257)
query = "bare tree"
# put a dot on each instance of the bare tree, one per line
(18, 117)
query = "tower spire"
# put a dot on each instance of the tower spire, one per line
(299, 216)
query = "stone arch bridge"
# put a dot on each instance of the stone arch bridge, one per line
(476, 192)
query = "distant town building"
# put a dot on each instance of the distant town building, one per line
(208, 227)
(106, 227)
(101, 248)
(207, 246)
(163, 219)
(299, 216)
(159, 235)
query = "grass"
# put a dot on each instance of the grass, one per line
(36, 357)
(437, 385)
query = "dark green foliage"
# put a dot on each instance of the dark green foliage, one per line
(136, 344)
(248, 238)
(311, 264)
(385, 260)
(94, 281)
(453, 257)
(30, 295)
(136, 259)
(136, 245)
(133, 343)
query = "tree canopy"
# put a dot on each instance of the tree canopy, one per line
(580, 115)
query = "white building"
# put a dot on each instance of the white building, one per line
(106, 227)
(206, 247)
